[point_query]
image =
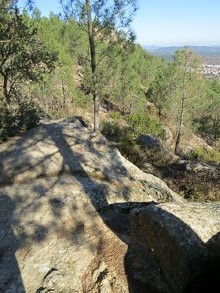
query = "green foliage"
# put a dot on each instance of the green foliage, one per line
(62, 92)
(113, 131)
(187, 87)
(129, 77)
(207, 120)
(124, 70)
(161, 87)
(125, 134)
(142, 124)
(125, 74)
(122, 136)
(177, 90)
(23, 58)
(178, 87)
(108, 17)
(202, 154)
(131, 150)
(116, 116)
(137, 124)
(16, 119)
(106, 23)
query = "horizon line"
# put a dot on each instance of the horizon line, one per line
(180, 45)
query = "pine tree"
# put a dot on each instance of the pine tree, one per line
(103, 21)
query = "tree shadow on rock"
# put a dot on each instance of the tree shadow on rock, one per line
(45, 194)
(76, 191)
(10, 275)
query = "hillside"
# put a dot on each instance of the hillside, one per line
(145, 89)
(210, 54)
(137, 93)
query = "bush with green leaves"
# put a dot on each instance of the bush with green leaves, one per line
(202, 154)
(16, 119)
(123, 137)
(113, 131)
(143, 124)
(115, 115)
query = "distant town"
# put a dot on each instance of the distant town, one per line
(210, 55)
(211, 71)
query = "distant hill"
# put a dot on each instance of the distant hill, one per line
(211, 54)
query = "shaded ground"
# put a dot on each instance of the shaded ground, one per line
(65, 202)
(194, 180)
(65, 197)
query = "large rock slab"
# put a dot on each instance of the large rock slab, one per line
(54, 239)
(65, 197)
(185, 240)
(67, 147)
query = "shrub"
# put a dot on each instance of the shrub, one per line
(202, 154)
(116, 116)
(125, 136)
(111, 130)
(143, 124)
(131, 150)
(16, 119)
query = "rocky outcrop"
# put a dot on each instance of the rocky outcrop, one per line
(65, 197)
(154, 149)
(67, 147)
(184, 239)
(150, 142)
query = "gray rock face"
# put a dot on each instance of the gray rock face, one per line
(65, 197)
(149, 142)
(154, 146)
(185, 240)
(199, 168)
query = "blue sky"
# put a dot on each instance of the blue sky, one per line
(169, 22)
(178, 22)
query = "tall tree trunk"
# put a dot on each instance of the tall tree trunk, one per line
(215, 127)
(180, 124)
(64, 99)
(93, 64)
(5, 90)
(96, 113)
(159, 110)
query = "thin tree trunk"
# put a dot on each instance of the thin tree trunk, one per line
(179, 127)
(64, 98)
(64, 94)
(96, 113)
(159, 110)
(5, 90)
(215, 127)
(93, 64)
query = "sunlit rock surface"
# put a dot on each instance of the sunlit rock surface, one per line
(65, 198)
